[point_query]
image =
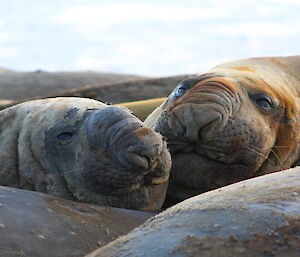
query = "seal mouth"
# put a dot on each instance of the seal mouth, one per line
(149, 180)
(207, 168)
(147, 197)
(204, 151)
(202, 174)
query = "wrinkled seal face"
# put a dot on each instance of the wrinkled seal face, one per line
(110, 158)
(221, 130)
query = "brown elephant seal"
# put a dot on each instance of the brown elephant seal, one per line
(239, 120)
(253, 218)
(82, 149)
(36, 224)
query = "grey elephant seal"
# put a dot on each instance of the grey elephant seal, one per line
(36, 224)
(239, 120)
(253, 218)
(82, 149)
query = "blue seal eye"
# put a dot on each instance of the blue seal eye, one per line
(180, 90)
(264, 102)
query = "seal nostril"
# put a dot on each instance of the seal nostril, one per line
(139, 160)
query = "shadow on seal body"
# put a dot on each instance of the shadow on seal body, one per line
(253, 218)
(239, 120)
(82, 149)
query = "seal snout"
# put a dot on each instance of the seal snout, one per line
(142, 158)
(144, 154)
(131, 154)
(202, 112)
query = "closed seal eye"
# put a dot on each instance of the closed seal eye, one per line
(66, 135)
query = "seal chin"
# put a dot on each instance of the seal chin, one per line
(124, 189)
(205, 173)
(138, 197)
(148, 180)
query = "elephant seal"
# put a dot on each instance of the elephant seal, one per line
(239, 120)
(36, 224)
(81, 149)
(253, 218)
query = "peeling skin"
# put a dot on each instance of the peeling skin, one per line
(81, 149)
(256, 217)
(281, 242)
(237, 121)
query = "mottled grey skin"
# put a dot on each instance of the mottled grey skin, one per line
(239, 120)
(82, 149)
(253, 218)
(36, 224)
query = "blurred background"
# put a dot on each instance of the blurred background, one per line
(148, 38)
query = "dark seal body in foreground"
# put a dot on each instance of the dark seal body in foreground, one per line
(81, 149)
(239, 120)
(253, 218)
(36, 224)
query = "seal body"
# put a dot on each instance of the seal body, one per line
(236, 121)
(36, 224)
(252, 218)
(82, 149)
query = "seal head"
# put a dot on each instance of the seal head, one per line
(237, 121)
(84, 150)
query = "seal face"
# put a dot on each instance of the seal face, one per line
(237, 121)
(84, 150)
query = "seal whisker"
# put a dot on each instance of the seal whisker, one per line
(261, 154)
(71, 171)
(277, 147)
(277, 157)
(267, 158)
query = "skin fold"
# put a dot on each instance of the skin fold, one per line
(236, 121)
(83, 150)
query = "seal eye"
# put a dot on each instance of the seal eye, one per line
(264, 102)
(65, 135)
(180, 90)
